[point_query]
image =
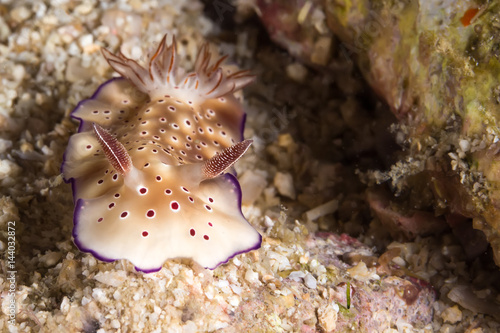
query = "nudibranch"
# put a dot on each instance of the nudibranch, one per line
(151, 164)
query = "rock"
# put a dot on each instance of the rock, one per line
(8, 169)
(327, 317)
(50, 258)
(417, 58)
(111, 278)
(310, 281)
(452, 315)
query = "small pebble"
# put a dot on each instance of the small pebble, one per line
(50, 258)
(310, 281)
(327, 317)
(452, 315)
(99, 294)
(464, 145)
(111, 278)
(399, 261)
(296, 276)
(268, 221)
(8, 169)
(236, 289)
(65, 305)
(84, 8)
(117, 295)
(85, 40)
(4, 145)
(251, 276)
(284, 183)
(296, 72)
(19, 14)
(18, 73)
(236, 261)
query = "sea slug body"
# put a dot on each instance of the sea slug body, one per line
(151, 164)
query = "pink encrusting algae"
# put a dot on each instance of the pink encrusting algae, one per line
(149, 164)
